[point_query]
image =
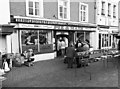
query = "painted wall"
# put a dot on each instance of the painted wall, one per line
(8, 42)
(50, 9)
(91, 11)
(18, 7)
(105, 20)
(74, 11)
(2, 43)
(5, 12)
(15, 44)
(119, 15)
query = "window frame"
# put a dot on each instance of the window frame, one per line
(40, 8)
(106, 40)
(103, 8)
(114, 11)
(109, 9)
(86, 11)
(68, 9)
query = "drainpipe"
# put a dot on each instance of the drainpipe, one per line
(11, 43)
(84, 35)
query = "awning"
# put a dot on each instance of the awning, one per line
(6, 29)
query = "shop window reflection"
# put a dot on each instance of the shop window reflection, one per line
(38, 40)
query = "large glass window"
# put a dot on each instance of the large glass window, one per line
(63, 9)
(106, 40)
(83, 12)
(109, 40)
(38, 40)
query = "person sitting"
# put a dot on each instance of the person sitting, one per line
(30, 58)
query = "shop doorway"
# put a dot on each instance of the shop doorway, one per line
(67, 37)
(99, 41)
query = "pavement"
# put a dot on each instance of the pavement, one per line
(54, 73)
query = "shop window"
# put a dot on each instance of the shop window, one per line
(34, 8)
(106, 40)
(103, 8)
(64, 9)
(109, 40)
(102, 40)
(83, 12)
(38, 40)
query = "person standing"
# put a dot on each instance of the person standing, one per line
(63, 48)
(70, 54)
(59, 46)
(66, 43)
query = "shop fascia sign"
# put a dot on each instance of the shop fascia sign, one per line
(34, 26)
(35, 21)
(56, 27)
(67, 28)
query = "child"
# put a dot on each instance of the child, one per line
(30, 60)
(5, 64)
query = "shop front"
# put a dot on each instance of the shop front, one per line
(42, 35)
(107, 37)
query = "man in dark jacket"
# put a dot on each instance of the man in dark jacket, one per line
(70, 54)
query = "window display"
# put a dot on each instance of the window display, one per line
(36, 40)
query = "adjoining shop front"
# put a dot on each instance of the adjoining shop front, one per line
(107, 37)
(43, 34)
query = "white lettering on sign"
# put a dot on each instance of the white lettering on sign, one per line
(67, 28)
(35, 26)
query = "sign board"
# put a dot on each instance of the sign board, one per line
(35, 26)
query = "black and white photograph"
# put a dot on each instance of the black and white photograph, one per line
(59, 44)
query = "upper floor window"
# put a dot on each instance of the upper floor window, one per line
(114, 11)
(34, 8)
(103, 8)
(109, 9)
(83, 12)
(64, 9)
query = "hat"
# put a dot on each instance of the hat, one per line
(118, 36)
